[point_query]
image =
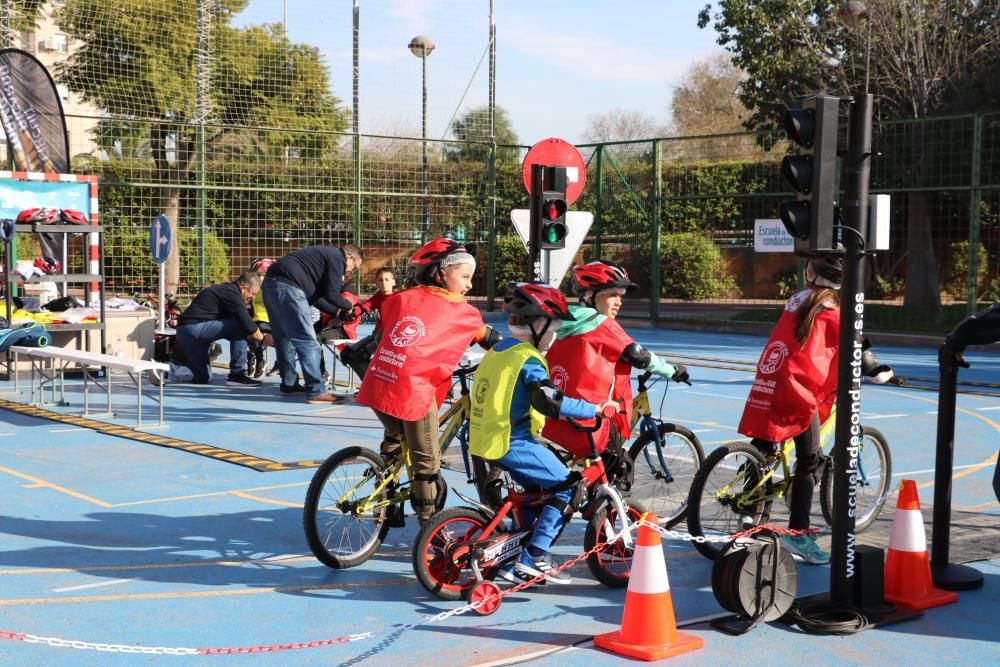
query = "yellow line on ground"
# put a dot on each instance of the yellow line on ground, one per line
(56, 487)
(40, 483)
(265, 500)
(979, 508)
(159, 566)
(206, 594)
(967, 471)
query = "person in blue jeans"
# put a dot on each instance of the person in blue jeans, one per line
(218, 312)
(309, 277)
(511, 398)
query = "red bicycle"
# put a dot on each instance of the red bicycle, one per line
(460, 551)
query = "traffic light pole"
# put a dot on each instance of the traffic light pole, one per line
(848, 432)
(534, 268)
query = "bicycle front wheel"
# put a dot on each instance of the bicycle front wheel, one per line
(665, 459)
(346, 508)
(612, 564)
(873, 479)
(727, 496)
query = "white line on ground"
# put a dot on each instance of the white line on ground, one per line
(111, 582)
(932, 412)
(7, 435)
(924, 472)
(866, 417)
(67, 430)
(703, 430)
(991, 407)
(705, 393)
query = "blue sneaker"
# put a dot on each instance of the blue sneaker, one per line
(805, 547)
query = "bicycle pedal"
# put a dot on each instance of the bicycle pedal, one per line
(395, 517)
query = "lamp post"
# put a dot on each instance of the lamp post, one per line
(851, 13)
(421, 46)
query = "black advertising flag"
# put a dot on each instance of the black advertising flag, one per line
(32, 114)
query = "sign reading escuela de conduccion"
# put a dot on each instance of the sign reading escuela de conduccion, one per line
(769, 235)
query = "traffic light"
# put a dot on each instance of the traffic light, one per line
(814, 173)
(553, 209)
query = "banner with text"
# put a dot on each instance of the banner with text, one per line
(769, 235)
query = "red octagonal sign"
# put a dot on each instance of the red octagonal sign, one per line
(557, 153)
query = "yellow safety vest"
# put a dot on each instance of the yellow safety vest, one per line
(492, 392)
(259, 312)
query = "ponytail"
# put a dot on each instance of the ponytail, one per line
(818, 299)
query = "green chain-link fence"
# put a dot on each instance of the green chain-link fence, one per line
(233, 134)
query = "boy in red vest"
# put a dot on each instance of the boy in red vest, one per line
(425, 330)
(385, 283)
(593, 356)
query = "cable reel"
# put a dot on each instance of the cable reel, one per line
(756, 580)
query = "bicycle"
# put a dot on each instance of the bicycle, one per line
(354, 497)
(735, 487)
(461, 550)
(670, 457)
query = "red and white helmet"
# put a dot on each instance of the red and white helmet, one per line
(424, 263)
(533, 300)
(48, 264)
(261, 264)
(38, 216)
(71, 216)
(597, 275)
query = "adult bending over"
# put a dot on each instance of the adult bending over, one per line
(312, 276)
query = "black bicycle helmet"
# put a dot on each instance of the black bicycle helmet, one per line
(829, 267)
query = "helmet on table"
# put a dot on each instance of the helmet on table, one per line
(38, 216)
(48, 264)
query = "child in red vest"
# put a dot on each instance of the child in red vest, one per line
(593, 356)
(385, 283)
(425, 330)
(795, 389)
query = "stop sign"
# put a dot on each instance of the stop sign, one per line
(557, 153)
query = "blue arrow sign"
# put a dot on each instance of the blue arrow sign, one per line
(159, 238)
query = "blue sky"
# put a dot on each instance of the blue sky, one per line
(558, 61)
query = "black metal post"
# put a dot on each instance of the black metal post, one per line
(948, 576)
(848, 433)
(534, 268)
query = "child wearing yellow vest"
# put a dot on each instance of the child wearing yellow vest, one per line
(511, 398)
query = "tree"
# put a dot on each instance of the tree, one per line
(622, 125)
(144, 60)
(921, 50)
(474, 126)
(706, 101)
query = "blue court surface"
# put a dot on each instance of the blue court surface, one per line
(193, 539)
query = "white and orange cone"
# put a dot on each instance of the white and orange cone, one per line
(648, 630)
(907, 569)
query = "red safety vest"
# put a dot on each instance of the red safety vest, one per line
(793, 383)
(425, 331)
(586, 366)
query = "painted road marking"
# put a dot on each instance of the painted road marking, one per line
(866, 417)
(112, 582)
(991, 407)
(66, 430)
(703, 430)
(7, 435)
(706, 393)
(395, 581)
(977, 466)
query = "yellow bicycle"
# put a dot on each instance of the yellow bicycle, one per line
(735, 487)
(355, 497)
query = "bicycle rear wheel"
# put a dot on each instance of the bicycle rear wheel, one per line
(665, 459)
(873, 480)
(723, 501)
(345, 509)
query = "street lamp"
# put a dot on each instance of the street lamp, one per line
(421, 46)
(851, 13)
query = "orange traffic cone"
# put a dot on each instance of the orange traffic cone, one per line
(648, 629)
(907, 569)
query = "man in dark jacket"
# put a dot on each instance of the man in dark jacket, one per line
(220, 312)
(312, 276)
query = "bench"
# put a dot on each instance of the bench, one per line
(50, 364)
